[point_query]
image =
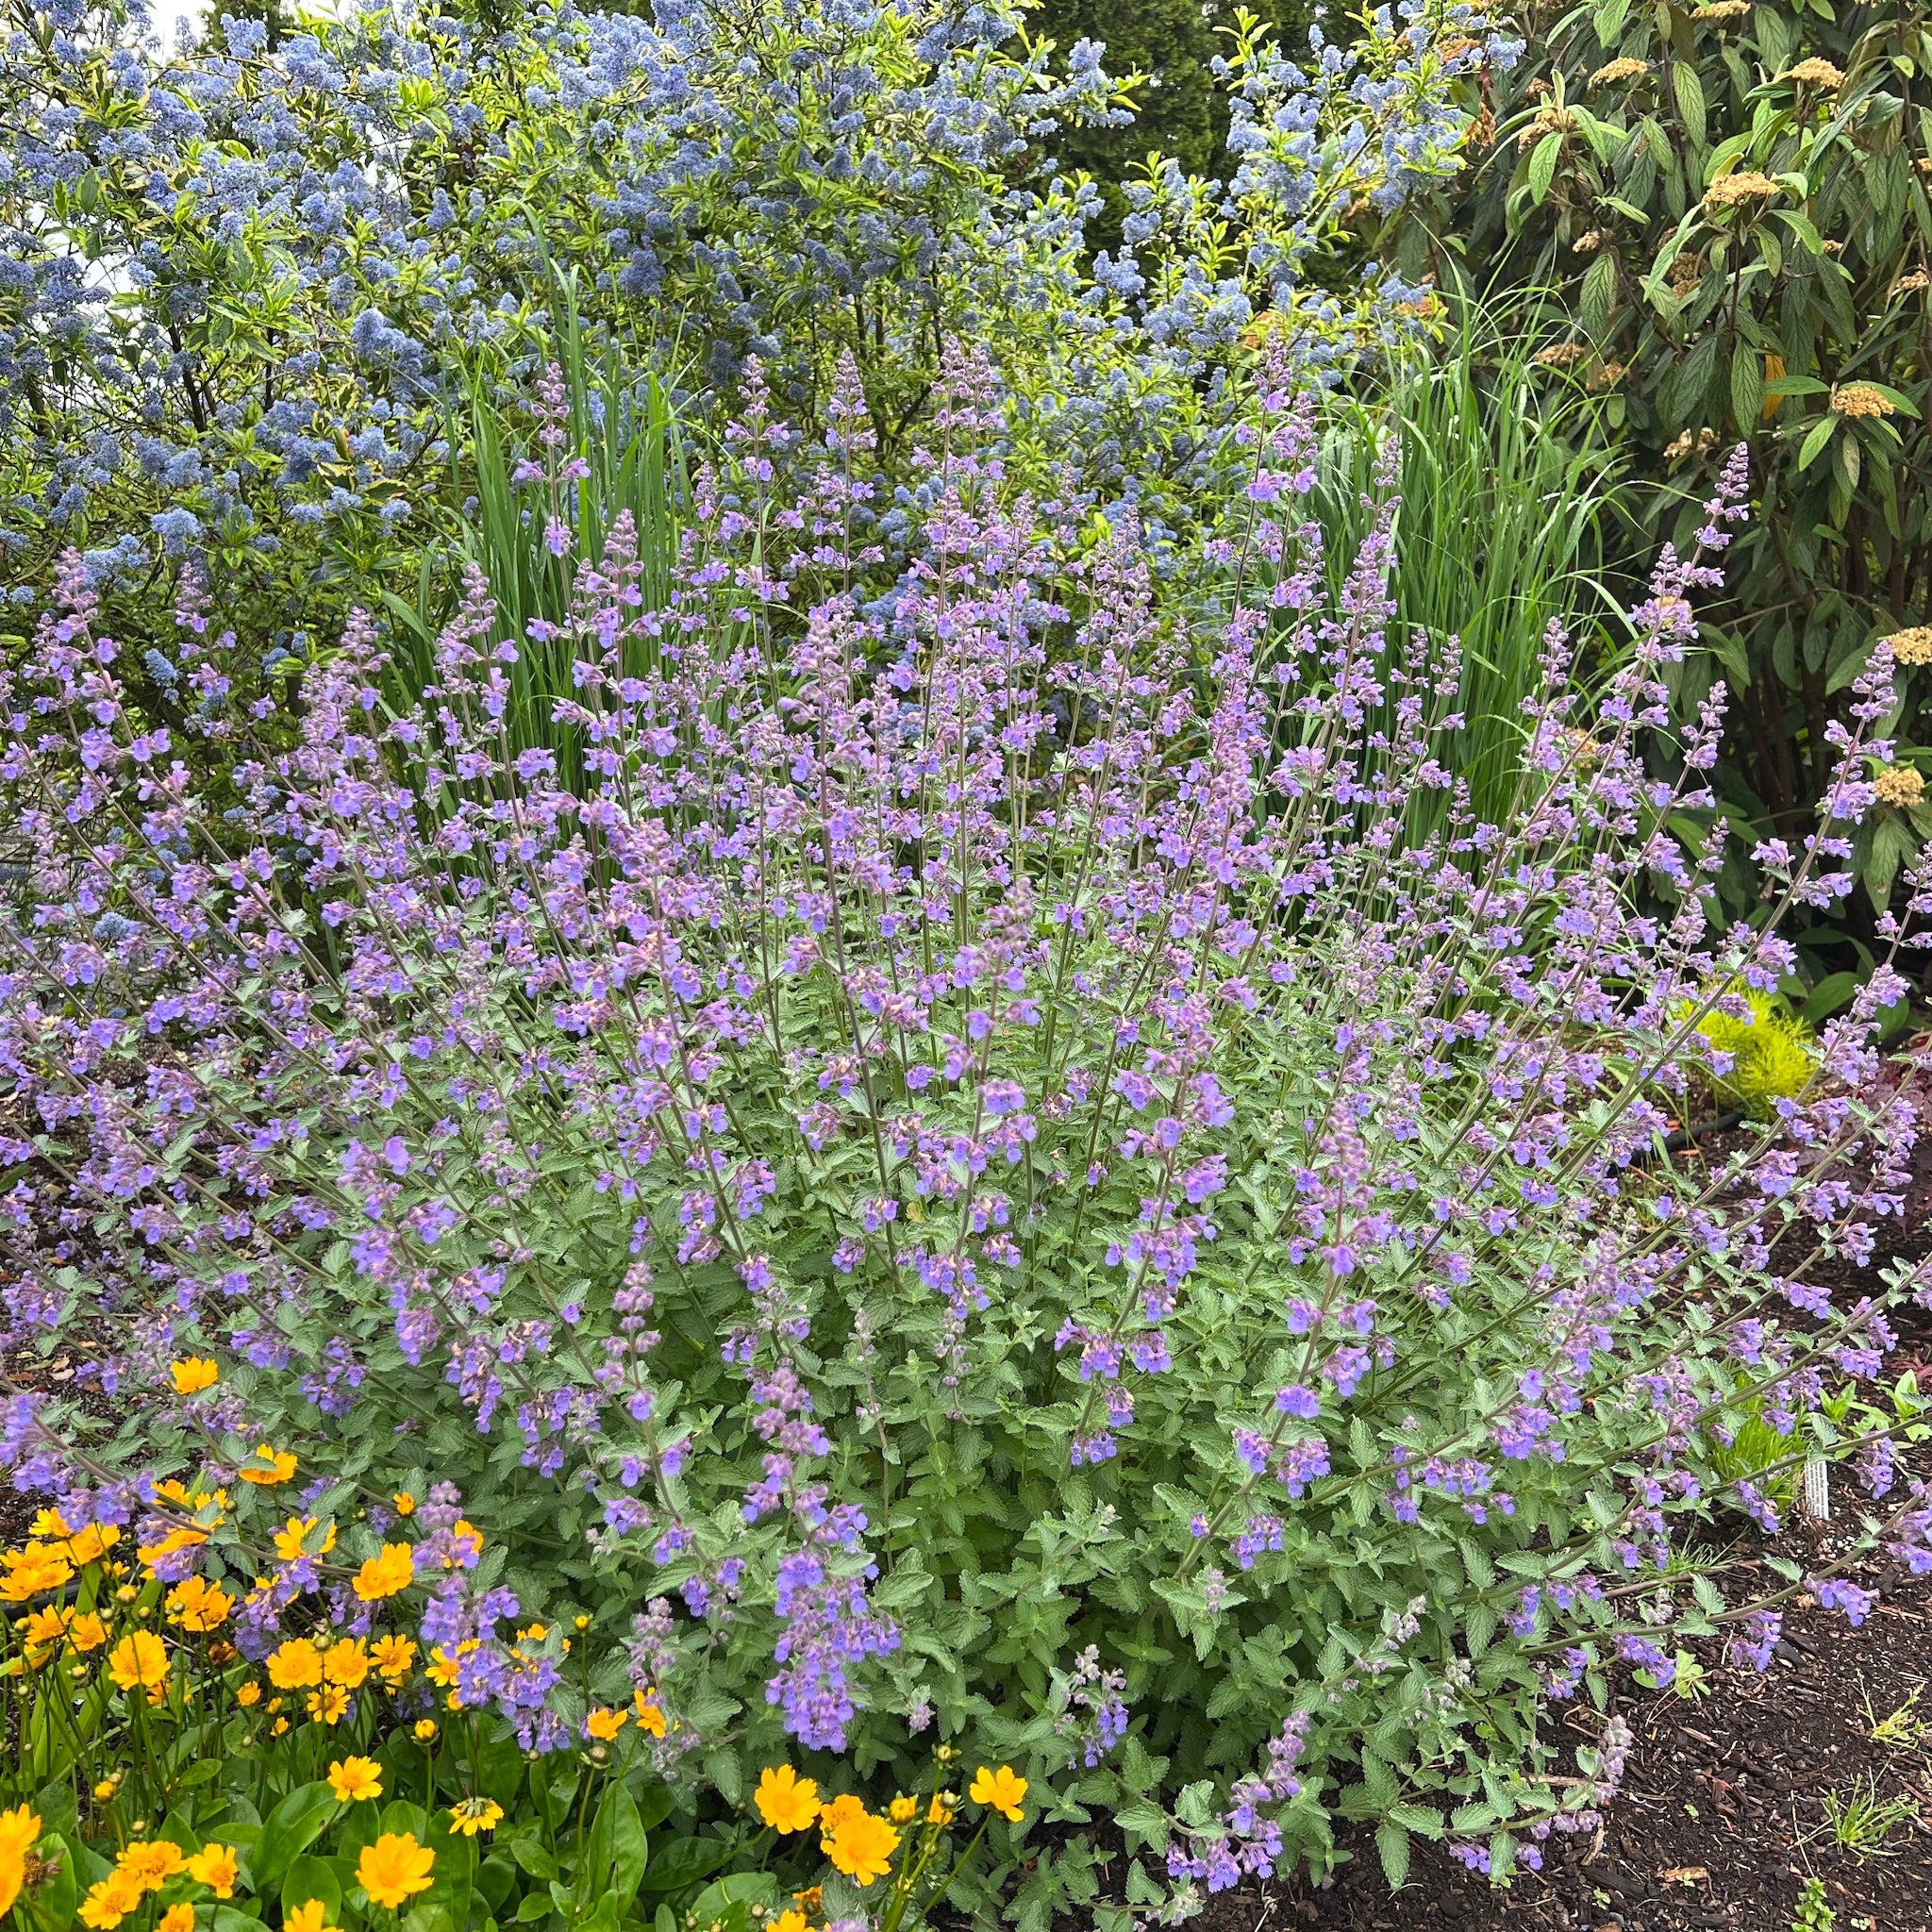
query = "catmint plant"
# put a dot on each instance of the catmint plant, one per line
(985, 1168)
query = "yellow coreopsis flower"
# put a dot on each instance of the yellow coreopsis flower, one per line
(393, 1658)
(787, 1802)
(388, 1574)
(139, 1662)
(302, 1536)
(295, 1665)
(395, 1868)
(405, 1503)
(178, 1919)
(328, 1706)
(605, 1724)
(347, 1663)
(111, 1901)
(474, 1815)
(197, 1605)
(1002, 1789)
(312, 1917)
(249, 1695)
(354, 1778)
(216, 1867)
(861, 1846)
(151, 1862)
(19, 1832)
(649, 1712)
(194, 1374)
(86, 1632)
(271, 1467)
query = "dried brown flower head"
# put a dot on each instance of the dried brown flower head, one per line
(1899, 785)
(1734, 191)
(1861, 399)
(1912, 645)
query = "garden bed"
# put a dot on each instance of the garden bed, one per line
(1724, 1814)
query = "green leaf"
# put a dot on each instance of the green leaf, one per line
(51, 1905)
(1892, 846)
(1689, 89)
(683, 1862)
(1599, 289)
(1747, 386)
(1542, 166)
(1611, 17)
(310, 1878)
(1392, 1842)
(289, 1830)
(619, 1851)
(1819, 435)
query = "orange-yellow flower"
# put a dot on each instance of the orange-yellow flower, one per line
(249, 1695)
(650, 1714)
(346, 1662)
(791, 1920)
(271, 1466)
(196, 1604)
(443, 1665)
(356, 1777)
(406, 1504)
(1002, 1789)
(19, 1832)
(328, 1706)
(466, 1544)
(178, 1919)
(938, 1811)
(111, 1901)
(139, 1662)
(861, 1846)
(30, 1572)
(393, 1656)
(787, 1802)
(173, 1543)
(302, 1536)
(295, 1665)
(474, 1815)
(388, 1574)
(193, 1373)
(312, 1917)
(903, 1810)
(395, 1868)
(86, 1632)
(151, 1862)
(605, 1724)
(214, 1867)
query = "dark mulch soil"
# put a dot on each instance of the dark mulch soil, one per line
(1721, 1817)
(1727, 1806)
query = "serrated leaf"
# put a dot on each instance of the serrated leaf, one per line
(1747, 386)
(1542, 166)
(1815, 440)
(1689, 90)
(1599, 289)
(1392, 1842)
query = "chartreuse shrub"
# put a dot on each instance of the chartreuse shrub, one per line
(975, 1186)
(1760, 1050)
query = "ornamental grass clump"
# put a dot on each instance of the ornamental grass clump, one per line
(989, 1170)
